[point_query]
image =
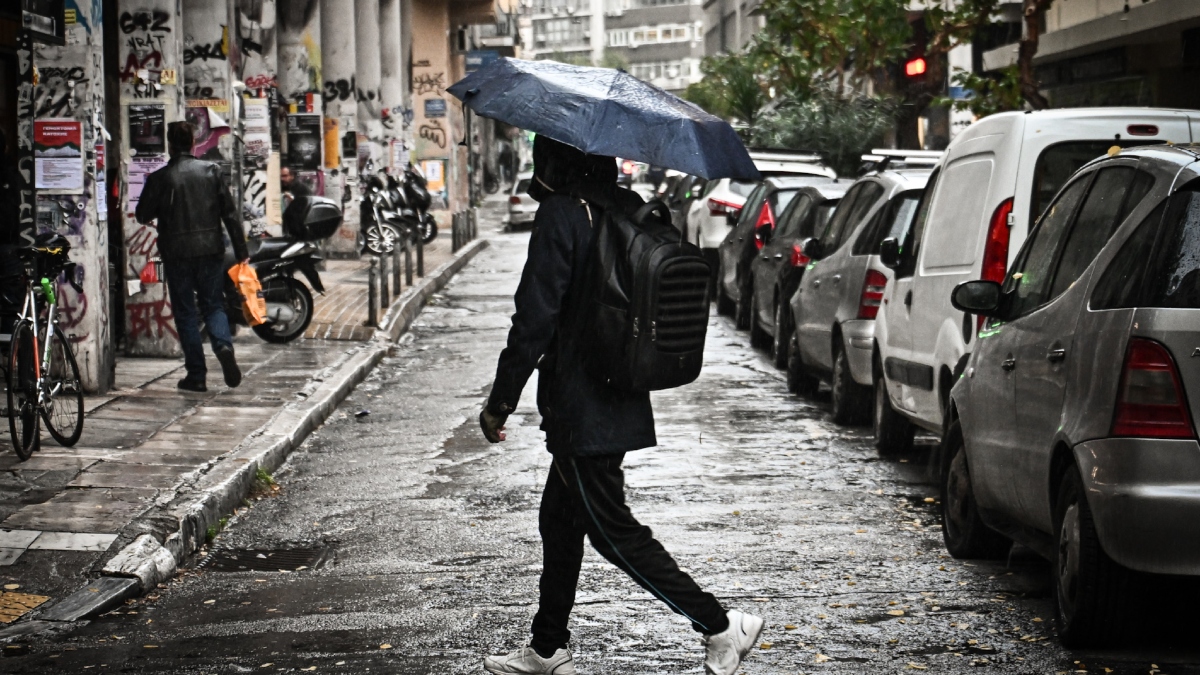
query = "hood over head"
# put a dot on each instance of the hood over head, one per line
(559, 168)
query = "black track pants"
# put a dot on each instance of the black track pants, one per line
(587, 496)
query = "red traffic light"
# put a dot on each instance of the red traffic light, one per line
(915, 67)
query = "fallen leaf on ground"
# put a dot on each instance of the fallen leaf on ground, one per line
(11, 587)
(896, 612)
(209, 602)
(789, 627)
(385, 646)
(765, 645)
(820, 658)
(916, 666)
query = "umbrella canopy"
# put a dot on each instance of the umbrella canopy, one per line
(606, 112)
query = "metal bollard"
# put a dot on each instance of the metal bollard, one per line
(408, 261)
(396, 269)
(420, 254)
(385, 295)
(372, 300)
(453, 233)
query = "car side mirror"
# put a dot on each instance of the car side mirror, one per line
(889, 253)
(813, 248)
(976, 297)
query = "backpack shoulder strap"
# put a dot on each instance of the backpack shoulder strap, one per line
(654, 206)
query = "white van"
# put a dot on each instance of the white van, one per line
(995, 180)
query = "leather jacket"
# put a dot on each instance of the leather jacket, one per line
(189, 199)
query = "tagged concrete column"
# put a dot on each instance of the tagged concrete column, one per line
(207, 79)
(258, 70)
(299, 48)
(392, 71)
(369, 73)
(151, 56)
(338, 64)
(69, 107)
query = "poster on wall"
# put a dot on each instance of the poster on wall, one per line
(147, 129)
(304, 142)
(434, 171)
(208, 128)
(256, 132)
(139, 168)
(58, 155)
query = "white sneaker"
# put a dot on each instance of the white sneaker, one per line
(723, 652)
(527, 662)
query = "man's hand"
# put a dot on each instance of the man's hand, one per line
(492, 425)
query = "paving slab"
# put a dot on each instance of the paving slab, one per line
(83, 510)
(110, 474)
(18, 539)
(9, 556)
(72, 541)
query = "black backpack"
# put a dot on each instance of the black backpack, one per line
(647, 313)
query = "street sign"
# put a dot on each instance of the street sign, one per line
(435, 107)
(480, 58)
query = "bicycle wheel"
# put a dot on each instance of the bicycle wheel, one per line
(22, 390)
(63, 410)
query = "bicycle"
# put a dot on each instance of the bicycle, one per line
(43, 377)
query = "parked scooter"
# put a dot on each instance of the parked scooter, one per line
(276, 260)
(415, 191)
(381, 222)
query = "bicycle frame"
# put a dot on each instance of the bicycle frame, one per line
(41, 347)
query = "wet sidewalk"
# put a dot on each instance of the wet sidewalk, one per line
(157, 461)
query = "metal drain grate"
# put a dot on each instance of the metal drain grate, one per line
(266, 560)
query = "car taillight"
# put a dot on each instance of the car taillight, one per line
(798, 257)
(766, 218)
(720, 207)
(514, 200)
(872, 294)
(1150, 402)
(995, 251)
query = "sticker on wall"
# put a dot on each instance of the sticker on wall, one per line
(58, 155)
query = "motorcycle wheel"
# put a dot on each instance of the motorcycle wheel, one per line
(428, 229)
(296, 295)
(382, 238)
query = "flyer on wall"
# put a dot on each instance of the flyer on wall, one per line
(304, 142)
(147, 129)
(139, 168)
(58, 155)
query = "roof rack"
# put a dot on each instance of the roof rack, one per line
(880, 158)
(768, 155)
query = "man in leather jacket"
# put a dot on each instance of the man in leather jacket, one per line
(190, 201)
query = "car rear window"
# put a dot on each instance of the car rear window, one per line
(1173, 273)
(780, 199)
(892, 221)
(522, 187)
(1059, 162)
(742, 188)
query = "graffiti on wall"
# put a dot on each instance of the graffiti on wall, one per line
(299, 61)
(432, 131)
(254, 210)
(59, 92)
(144, 35)
(429, 83)
(151, 320)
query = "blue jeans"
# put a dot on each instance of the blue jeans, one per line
(197, 289)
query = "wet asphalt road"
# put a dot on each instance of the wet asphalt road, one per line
(431, 553)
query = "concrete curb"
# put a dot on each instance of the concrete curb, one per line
(180, 528)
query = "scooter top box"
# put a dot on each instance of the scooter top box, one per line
(311, 218)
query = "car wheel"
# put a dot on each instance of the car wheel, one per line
(725, 305)
(783, 331)
(1091, 591)
(798, 380)
(963, 531)
(850, 399)
(758, 336)
(741, 312)
(893, 431)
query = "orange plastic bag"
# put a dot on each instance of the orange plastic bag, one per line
(254, 306)
(149, 273)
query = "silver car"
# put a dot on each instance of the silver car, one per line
(833, 309)
(1072, 430)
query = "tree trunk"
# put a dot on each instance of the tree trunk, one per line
(1033, 11)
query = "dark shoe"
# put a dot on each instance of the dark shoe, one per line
(188, 384)
(229, 366)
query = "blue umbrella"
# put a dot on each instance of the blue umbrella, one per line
(606, 112)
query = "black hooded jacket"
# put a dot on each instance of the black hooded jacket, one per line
(580, 415)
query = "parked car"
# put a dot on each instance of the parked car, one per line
(711, 217)
(997, 176)
(521, 207)
(779, 265)
(735, 287)
(1073, 430)
(835, 304)
(686, 191)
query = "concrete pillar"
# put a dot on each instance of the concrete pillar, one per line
(150, 70)
(258, 69)
(207, 79)
(369, 74)
(69, 99)
(392, 70)
(299, 48)
(599, 36)
(338, 65)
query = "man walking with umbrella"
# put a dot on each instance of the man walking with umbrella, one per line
(589, 427)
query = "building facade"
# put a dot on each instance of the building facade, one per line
(730, 24)
(1113, 52)
(661, 40)
(333, 89)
